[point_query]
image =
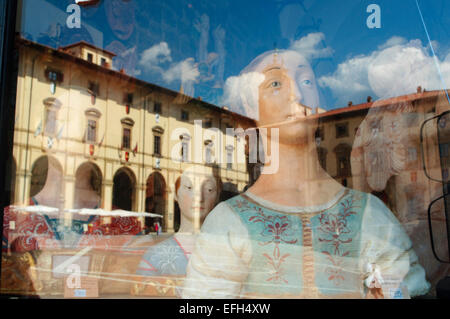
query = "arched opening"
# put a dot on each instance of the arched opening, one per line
(155, 199)
(88, 186)
(124, 185)
(51, 178)
(343, 168)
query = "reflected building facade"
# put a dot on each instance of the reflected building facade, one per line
(129, 138)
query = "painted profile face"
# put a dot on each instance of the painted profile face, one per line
(287, 95)
(197, 194)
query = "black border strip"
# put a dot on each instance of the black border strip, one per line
(8, 86)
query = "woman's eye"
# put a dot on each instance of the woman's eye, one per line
(275, 84)
(306, 82)
(188, 187)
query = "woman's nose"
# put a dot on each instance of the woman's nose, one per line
(295, 93)
(296, 98)
(198, 197)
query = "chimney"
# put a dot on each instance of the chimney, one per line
(350, 103)
(369, 99)
(419, 89)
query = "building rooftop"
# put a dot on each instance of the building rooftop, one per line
(383, 103)
(185, 99)
(63, 54)
(87, 44)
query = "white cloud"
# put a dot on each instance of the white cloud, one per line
(156, 58)
(309, 46)
(185, 71)
(241, 94)
(397, 67)
(349, 80)
(153, 57)
(395, 40)
(135, 72)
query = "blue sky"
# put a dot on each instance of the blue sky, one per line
(201, 43)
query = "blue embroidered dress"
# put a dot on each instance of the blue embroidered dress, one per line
(250, 247)
(165, 258)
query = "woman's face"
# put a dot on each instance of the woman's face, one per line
(288, 93)
(197, 195)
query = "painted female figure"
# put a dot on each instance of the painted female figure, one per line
(296, 233)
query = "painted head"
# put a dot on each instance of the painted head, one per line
(197, 191)
(277, 89)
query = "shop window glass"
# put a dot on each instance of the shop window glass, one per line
(111, 186)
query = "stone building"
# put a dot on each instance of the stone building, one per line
(133, 138)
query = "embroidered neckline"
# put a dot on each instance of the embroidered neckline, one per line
(295, 209)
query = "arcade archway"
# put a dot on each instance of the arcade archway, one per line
(124, 189)
(155, 199)
(88, 186)
(40, 176)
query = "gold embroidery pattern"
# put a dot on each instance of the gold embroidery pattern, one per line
(309, 284)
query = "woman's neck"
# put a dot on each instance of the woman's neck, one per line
(299, 180)
(186, 235)
(187, 226)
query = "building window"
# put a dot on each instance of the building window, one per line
(128, 98)
(103, 62)
(127, 125)
(343, 152)
(50, 121)
(54, 77)
(412, 154)
(157, 108)
(184, 152)
(157, 145)
(184, 115)
(158, 131)
(92, 116)
(229, 150)
(322, 156)
(320, 133)
(208, 155)
(52, 107)
(376, 125)
(412, 158)
(126, 138)
(90, 57)
(411, 119)
(93, 88)
(207, 123)
(229, 160)
(341, 130)
(209, 152)
(344, 166)
(92, 131)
